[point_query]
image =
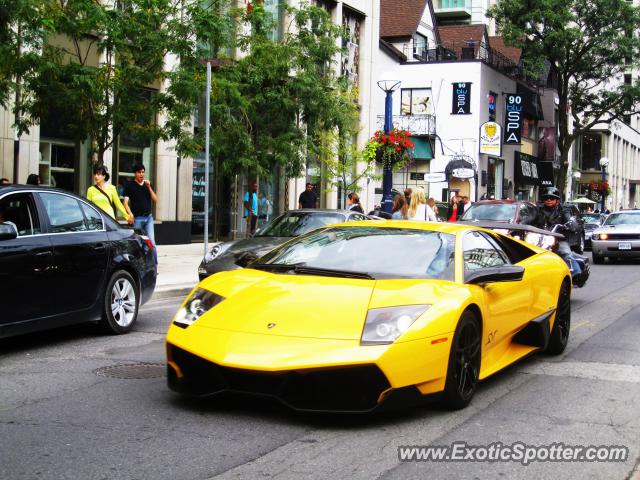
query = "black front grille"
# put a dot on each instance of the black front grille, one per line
(346, 389)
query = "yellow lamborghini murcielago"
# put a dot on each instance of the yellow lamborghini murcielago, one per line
(357, 316)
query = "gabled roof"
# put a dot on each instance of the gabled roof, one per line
(400, 18)
(459, 34)
(512, 53)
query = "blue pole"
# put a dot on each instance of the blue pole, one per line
(387, 174)
(604, 176)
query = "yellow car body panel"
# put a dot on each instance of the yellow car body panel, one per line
(272, 322)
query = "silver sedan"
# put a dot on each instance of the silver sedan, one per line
(618, 237)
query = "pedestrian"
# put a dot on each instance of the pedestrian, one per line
(33, 179)
(138, 197)
(453, 214)
(431, 205)
(4, 181)
(353, 203)
(105, 196)
(264, 209)
(466, 204)
(399, 209)
(308, 198)
(418, 210)
(251, 207)
(407, 195)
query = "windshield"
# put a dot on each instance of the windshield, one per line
(591, 218)
(623, 219)
(501, 212)
(293, 224)
(378, 252)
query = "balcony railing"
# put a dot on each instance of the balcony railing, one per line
(469, 50)
(414, 124)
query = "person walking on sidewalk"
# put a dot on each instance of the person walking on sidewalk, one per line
(105, 196)
(138, 196)
(251, 207)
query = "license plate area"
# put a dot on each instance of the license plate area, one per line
(624, 245)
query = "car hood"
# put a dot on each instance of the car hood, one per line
(307, 306)
(628, 228)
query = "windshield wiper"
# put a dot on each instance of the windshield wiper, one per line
(330, 272)
(302, 269)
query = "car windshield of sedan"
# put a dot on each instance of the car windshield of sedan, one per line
(366, 251)
(293, 224)
(623, 219)
(591, 218)
(491, 211)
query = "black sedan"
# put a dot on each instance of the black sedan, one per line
(228, 255)
(63, 261)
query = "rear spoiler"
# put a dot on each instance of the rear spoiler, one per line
(512, 227)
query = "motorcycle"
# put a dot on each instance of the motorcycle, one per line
(549, 239)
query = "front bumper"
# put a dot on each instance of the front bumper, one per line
(611, 248)
(307, 374)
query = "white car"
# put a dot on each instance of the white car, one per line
(618, 237)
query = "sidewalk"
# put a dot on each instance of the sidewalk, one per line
(178, 269)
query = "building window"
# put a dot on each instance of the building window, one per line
(495, 178)
(590, 151)
(350, 65)
(275, 8)
(420, 47)
(416, 101)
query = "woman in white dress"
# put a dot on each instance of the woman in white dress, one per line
(418, 210)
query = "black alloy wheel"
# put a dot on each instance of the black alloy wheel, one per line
(559, 336)
(464, 363)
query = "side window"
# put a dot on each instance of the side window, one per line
(480, 252)
(92, 217)
(65, 213)
(19, 209)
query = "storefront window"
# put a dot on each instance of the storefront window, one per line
(57, 152)
(495, 178)
(350, 67)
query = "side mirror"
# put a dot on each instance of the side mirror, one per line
(8, 231)
(505, 273)
(245, 259)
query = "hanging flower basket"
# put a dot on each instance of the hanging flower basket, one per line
(601, 187)
(394, 149)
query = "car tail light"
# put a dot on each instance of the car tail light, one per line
(148, 241)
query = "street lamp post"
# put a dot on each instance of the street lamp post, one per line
(604, 161)
(388, 86)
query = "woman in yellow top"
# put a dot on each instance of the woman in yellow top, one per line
(106, 196)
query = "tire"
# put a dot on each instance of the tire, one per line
(464, 363)
(121, 303)
(559, 336)
(597, 259)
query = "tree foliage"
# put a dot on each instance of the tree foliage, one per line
(590, 44)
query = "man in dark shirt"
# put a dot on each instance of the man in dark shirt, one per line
(308, 198)
(138, 196)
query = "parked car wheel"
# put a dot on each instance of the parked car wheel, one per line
(121, 302)
(559, 336)
(464, 363)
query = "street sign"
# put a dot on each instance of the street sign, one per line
(463, 173)
(491, 138)
(435, 177)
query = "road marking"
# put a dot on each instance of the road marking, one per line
(614, 372)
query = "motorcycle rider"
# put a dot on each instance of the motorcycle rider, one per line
(551, 213)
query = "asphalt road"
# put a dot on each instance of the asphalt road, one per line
(64, 416)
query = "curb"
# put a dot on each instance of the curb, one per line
(172, 292)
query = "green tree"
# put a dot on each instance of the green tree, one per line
(590, 44)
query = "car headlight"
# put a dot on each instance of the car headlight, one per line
(539, 240)
(198, 303)
(385, 325)
(215, 252)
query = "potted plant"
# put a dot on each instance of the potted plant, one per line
(393, 149)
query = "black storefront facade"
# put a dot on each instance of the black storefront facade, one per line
(531, 176)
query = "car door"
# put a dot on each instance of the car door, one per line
(80, 250)
(26, 263)
(507, 303)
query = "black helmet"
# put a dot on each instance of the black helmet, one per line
(551, 192)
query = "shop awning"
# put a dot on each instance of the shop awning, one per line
(422, 148)
(459, 168)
